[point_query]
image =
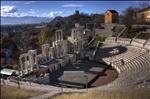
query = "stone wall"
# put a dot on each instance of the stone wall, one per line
(138, 42)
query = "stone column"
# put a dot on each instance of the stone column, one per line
(53, 44)
(56, 36)
(31, 60)
(72, 34)
(26, 64)
(21, 65)
(56, 51)
(63, 51)
(45, 54)
(61, 35)
(49, 53)
(77, 34)
(36, 61)
(53, 53)
(59, 53)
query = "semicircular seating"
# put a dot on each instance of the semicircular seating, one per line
(133, 64)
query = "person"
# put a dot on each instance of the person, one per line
(122, 62)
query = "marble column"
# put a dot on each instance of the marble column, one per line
(56, 36)
(21, 65)
(45, 53)
(31, 61)
(77, 34)
(53, 53)
(53, 44)
(72, 34)
(56, 51)
(61, 35)
(26, 64)
(49, 54)
(36, 61)
(64, 49)
(80, 34)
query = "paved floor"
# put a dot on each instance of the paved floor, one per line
(53, 87)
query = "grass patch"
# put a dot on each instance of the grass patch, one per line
(94, 43)
(120, 29)
(144, 36)
(132, 32)
(117, 31)
(120, 94)
(9, 92)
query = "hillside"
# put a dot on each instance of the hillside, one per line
(24, 20)
(68, 22)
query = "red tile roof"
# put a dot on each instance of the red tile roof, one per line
(112, 11)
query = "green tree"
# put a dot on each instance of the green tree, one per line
(6, 42)
(46, 35)
(9, 44)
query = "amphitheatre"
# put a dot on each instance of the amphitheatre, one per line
(125, 61)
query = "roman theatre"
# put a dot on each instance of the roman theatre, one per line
(114, 64)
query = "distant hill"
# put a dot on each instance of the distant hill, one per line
(68, 22)
(23, 20)
(58, 22)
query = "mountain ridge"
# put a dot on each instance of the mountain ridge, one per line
(24, 20)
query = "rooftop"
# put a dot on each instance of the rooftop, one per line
(144, 9)
(112, 11)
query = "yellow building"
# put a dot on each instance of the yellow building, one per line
(143, 15)
(111, 16)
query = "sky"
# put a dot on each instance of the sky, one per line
(61, 8)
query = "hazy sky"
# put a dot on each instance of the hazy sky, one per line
(61, 8)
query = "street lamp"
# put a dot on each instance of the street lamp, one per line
(86, 82)
(18, 82)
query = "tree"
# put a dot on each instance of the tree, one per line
(46, 35)
(128, 17)
(143, 4)
(6, 42)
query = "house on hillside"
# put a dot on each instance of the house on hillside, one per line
(111, 16)
(143, 15)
